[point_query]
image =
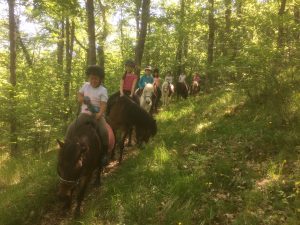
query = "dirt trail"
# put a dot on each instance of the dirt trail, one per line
(54, 214)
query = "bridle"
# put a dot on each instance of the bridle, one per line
(147, 96)
(74, 182)
(68, 181)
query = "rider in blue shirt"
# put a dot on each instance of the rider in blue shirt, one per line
(146, 78)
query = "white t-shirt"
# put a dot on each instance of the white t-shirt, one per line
(181, 78)
(169, 78)
(96, 95)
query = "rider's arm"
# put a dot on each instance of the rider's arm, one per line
(121, 87)
(80, 97)
(140, 84)
(102, 106)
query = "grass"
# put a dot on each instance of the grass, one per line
(217, 159)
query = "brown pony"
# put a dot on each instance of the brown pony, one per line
(181, 90)
(78, 158)
(195, 88)
(125, 114)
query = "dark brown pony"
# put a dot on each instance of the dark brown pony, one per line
(113, 99)
(155, 100)
(195, 88)
(181, 90)
(78, 158)
(125, 114)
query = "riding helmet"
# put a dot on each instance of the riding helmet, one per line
(129, 62)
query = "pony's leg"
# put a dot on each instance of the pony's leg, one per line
(130, 136)
(82, 188)
(97, 182)
(122, 146)
(113, 151)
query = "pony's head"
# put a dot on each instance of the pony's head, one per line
(165, 86)
(70, 161)
(147, 131)
(148, 92)
(146, 97)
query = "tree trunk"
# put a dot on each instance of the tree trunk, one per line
(60, 48)
(280, 40)
(138, 4)
(237, 35)
(21, 43)
(211, 39)
(181, 41)
(100, 49)
(70, 31)
(227, 26)
(13, 78)
(297, 21)
(91, 32)
(139, 50)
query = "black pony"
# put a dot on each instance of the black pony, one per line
(182, 90)
(125, 114)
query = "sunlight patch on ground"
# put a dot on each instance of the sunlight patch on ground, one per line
(161, 156)
(11, 178)
(202, 126)
(176, 113)
(3, 158)
(274, 175)
(216, 107)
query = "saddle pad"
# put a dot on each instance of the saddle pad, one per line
(111, 137)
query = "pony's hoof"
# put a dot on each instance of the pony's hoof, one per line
(120, 161)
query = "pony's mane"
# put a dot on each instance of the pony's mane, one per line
(140, 116)
(86, 129)
(148, 88)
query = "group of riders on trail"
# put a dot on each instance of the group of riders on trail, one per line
(90, 138)
(93, 95)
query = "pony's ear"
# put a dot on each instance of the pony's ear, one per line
(60, 143)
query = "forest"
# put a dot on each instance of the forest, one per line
(228, 155)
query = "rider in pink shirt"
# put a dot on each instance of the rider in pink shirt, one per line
(129, 79)
(196, 77)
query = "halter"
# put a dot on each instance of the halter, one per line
(68, 181)
(147, 96)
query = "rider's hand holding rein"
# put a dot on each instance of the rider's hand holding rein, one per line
(102, 110)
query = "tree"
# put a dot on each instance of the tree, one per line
(211, 39)
(182, 41)
(227, 26)
(91, 32)
(103, 35)
(280, 39)
(139, 50)
(13, 77)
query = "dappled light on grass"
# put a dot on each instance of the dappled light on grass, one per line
(202, 126)
(10, 171)
(161, 156)
(3, 158)
(176, 114)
